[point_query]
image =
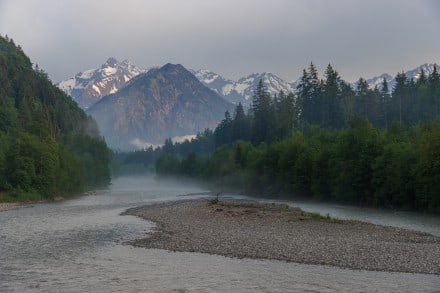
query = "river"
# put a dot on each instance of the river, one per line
(77, 245)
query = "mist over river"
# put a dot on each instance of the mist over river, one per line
(77, 245)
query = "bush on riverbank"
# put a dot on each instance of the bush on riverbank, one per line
(20, 196)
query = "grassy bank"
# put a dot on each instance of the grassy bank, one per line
(21, 197)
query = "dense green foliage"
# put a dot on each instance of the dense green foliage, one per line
(331, 102)
(396, 168)
(48, 146)
(331, 142)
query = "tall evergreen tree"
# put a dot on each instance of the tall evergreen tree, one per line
(434, 92)
(331, 104)
(309, 95)
(223, 132)
(263, 116)
(347, 101)
(240, 125)
(423, 107)
(399, 97)
(286, 114)
(362, 96)
(385, 99)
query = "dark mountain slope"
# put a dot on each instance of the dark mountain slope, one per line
(164, 102)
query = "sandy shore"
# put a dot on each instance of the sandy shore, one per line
(264, 231)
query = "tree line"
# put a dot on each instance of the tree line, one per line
(331, 102)
(48, 145)
(367, 146)
(395, 168)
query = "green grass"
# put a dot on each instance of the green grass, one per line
(274, 207)
(319, 217)
(20, 196)
(254, 205)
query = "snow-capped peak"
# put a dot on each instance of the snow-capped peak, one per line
(242, 89)
(89, 86)
(112, 62)
(427, 69)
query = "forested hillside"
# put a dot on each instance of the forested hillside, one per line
(364, 146)
(48, 146)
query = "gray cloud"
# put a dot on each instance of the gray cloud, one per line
(234, 38)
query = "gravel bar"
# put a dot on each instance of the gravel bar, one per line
(268, 231)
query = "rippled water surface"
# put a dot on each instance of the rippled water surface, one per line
(77, 245)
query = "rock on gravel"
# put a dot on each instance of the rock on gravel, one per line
(266, 231)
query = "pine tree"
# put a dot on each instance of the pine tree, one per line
(240, 125)
(223, 132)
(331, 105)
(309, 95)
(434, 92)
(399, 97)
(286, 114)
(263, 116)
(385, 99)
(362, 95)
(347, 101)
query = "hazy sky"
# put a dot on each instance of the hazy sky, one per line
(231, 37)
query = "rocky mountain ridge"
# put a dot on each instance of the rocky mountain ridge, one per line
(161, 103)
(242, 90)
(91, 85)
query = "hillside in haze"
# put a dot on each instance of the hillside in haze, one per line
(48, 145)
(164, 102)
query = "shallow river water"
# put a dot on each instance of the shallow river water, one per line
(77, 246)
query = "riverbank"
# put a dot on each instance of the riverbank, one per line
(266, 231)
(6, 206)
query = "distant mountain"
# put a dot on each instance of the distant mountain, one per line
(164, 102)
(242, 90)
(90, 86)
(427, 68)
(378, 80)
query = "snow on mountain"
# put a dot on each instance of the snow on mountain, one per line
(378, 80)
(243, 89)
(213, 80)
(164, 102)
(427, 68)
(90, 86)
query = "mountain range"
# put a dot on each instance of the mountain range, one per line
(161, 103)
(136, 107)
(427, 68)
(242, 90)
(89, 86)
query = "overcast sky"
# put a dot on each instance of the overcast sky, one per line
(231, 37)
